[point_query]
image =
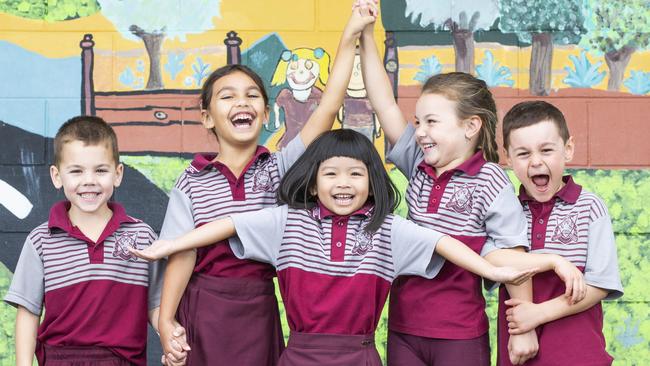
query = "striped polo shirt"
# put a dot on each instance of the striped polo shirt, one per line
(474, 203)
(334, 277)
(93, 293)
(576, 225)
(209, 191)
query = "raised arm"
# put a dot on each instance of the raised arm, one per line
(323, 117)
(379, 89)
(26, 329)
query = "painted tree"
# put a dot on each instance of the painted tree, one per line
(617, 28)
(153, 20)
(50, 11)
(542, 23)
(464, 18)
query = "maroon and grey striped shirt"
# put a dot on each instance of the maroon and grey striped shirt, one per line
(334, 277)
(93, 293)
(208, 191)
(574, 224)
(474, 203)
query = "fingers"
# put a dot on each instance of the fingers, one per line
(512, 302)
(143, 254)
(569, 287)
(180, 338)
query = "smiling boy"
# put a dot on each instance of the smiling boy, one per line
(77, 266)
(566, 220)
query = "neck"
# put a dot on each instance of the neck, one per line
(301, 95)
(454, 163)
(90, 224)
(235, 157)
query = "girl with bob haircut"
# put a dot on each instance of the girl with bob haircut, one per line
(337, 248)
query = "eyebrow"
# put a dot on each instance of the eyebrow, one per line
(230, 88)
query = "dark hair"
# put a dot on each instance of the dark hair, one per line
(90, 130)
(473, 98)
(526, 114)
(295, 187)
(206, 90)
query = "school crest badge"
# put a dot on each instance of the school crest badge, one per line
(461, 200)
(122, 242)
(566, 230)
(262, 177)
(362, 243)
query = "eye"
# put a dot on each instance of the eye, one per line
(547, 150)
(102, 170)
(309, 64)
(253, 95)
(431, 121)
(522, 154)
(225, 96)
(358, 174)
(416, 123)
(75, 171)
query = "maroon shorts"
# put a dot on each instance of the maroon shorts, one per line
(409, 350)
(306, 349)
(79, 356)
(231, 321)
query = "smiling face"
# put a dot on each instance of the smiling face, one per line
(445, 140)
(538, 155)
(342, 184)
(302, 73)
(88, 175)
(237, 110)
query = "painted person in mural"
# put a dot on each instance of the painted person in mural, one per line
(337, 247)
(356, 113)
(300, 68)
(449, 154)
(238, 321)
(76, 267)
(559, 214)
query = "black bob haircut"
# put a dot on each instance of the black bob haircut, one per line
(298, 182)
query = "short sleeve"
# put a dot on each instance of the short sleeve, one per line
(259, 234)
(601, 269)
(156, 271)
(406, 154)
(179, 218)
(289, 154)
(413, 249)
(27, 286)
(505, 221)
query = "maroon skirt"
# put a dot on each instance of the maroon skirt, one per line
(306, 349)
(79, 356)
(231, 321)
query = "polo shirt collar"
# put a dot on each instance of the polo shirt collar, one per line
(569, 193)
(471, 166)
(59, 218)
(324, 212)
(206, 161)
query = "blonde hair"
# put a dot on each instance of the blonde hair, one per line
(317, 55)
(473, 98)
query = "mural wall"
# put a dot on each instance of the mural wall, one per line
(140, 65)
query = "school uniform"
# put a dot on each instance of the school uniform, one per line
(96, 295)
(574, 224)
(476, 204)
(334, 277)
(229, 308)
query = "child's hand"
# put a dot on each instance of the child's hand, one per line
(157, 250)
(364, 12)
(174, 343)
(522, 347)
(511, 275)
(523, 316)
(574, 280)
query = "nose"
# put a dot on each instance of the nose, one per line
(88, 178)
(241, 101)
(535, 159)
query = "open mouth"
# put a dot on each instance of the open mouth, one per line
(426, 147)
(540, 181)
(343, 199)
(89, 196)
(242, 120)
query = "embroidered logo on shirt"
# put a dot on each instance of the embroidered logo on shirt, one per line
(566, 230)
(461, 200)
(262, 178)
(122, 242)
(362, 242)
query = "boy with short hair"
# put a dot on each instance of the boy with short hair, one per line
(566, 220)
(77, 264)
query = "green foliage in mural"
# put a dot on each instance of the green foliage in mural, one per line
(51, 10)
(161, 171)
(614, 24)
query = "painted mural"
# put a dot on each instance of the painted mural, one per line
(140, 64)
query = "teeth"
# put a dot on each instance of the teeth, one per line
(88, 195)
(242, 116)
(343, 196)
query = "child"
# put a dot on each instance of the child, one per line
(77, 266)
(566, 220)
(455, 187)
(239, 321)
(336, 248)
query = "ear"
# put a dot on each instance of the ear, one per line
(472, 126)
(569, 148)
(267, 114)
(119, 173)
(56, 177)
(206, 119)
(508, 159)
